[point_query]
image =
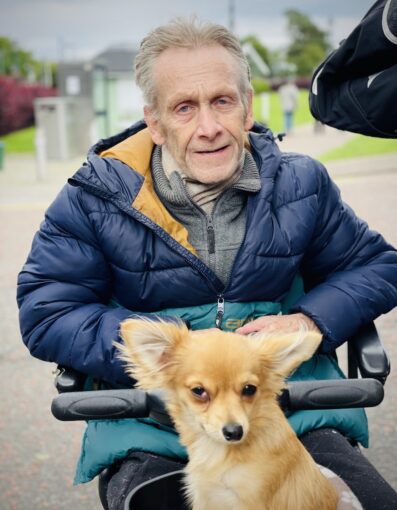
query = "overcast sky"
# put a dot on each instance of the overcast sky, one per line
(80, 29)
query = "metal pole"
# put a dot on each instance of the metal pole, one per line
(232, 12)
(41, 154)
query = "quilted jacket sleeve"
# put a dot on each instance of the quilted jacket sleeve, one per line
(351, 270)
(63, 293)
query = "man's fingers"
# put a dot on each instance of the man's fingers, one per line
(263, 323)
(247, 329)
(278, 324)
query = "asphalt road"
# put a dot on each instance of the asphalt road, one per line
(38, 453)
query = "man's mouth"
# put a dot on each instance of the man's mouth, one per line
(213, 151)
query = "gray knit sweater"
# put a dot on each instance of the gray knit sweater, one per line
(216, 236)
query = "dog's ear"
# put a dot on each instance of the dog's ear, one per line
(148, 349)
(286, 352)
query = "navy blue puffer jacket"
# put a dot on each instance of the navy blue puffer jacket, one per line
(107, 238)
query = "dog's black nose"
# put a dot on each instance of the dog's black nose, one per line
(232, 432)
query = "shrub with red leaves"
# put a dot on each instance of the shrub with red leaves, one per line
(16, 103)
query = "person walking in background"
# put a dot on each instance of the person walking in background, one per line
(288, 93)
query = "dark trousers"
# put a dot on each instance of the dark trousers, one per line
(129, 480)
(332, 450)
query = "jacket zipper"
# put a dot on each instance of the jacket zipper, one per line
(95, 190)
(220, 311)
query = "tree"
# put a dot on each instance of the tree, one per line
(262, 51)
(18, 62)
(309, 44)
(6, 51)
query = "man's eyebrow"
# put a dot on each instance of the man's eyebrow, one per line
(192, 96)
(181, 98)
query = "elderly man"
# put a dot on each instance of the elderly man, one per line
(197, 214)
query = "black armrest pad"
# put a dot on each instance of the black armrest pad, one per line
(69, 379)
(370, 355)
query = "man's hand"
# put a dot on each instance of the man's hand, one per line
(278, 324)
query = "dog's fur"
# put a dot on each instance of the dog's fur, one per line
(267, 467)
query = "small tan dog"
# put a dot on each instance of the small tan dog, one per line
(221, 391)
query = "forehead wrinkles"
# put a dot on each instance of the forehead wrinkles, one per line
(200, 73)
(180, 71)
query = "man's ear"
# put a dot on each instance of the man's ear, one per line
(148, 349)
(154, 126)
(249, 119)
(284, 353)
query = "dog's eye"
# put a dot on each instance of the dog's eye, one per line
(199, 392)
(248, 390)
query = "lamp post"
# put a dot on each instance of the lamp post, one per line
(232, 15)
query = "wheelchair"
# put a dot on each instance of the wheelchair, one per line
(368, 366)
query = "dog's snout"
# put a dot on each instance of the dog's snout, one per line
(232, 432)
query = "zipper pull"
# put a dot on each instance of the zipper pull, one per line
(220, 311)
(211, 236)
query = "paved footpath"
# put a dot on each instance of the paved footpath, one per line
(306, 140)
(38, 453)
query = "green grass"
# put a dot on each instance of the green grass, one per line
(361, 146)
(275, 121)
(20, 141)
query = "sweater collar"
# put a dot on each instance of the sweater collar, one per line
(175, 190)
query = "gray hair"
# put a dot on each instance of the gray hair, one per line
(187, 33)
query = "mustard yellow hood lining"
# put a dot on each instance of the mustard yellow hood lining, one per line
(136, 152)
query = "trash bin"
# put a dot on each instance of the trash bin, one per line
(65, 123)
(2, 148)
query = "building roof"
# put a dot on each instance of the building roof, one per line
(116, 60)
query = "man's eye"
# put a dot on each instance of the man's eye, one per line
(185, 108)
(248, 390)
(200, 393)
(222, 101)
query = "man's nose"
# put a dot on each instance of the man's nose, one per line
(208, 125)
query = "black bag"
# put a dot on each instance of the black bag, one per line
(355, 88)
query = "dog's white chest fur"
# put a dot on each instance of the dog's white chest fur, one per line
(233, 488)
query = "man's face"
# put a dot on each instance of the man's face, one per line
(200, 114)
